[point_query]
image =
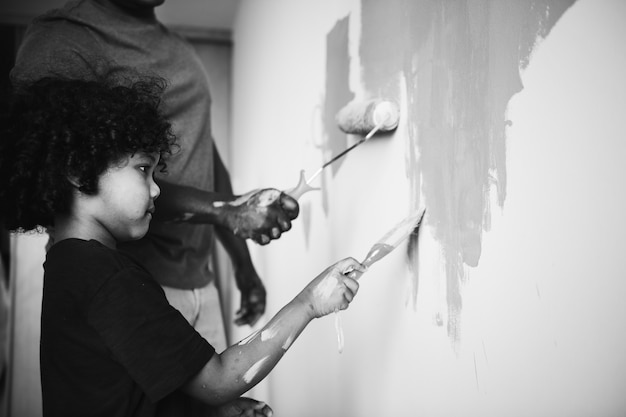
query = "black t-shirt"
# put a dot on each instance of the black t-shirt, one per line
(111, 345)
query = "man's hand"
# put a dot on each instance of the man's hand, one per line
(252, 298)
(243, 407)
(261, 215)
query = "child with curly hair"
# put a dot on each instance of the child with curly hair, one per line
(79, 156)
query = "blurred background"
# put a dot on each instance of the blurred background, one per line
(510, 301)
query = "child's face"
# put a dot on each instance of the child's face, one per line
(124, 204)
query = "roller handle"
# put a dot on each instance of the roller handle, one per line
(300, 189)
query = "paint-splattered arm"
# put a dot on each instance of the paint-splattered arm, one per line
(260, 215)
(243, 365)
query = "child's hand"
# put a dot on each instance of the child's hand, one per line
(243, 407)
(333, 289)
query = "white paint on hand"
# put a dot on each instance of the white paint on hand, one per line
(234, 203)
(325, 288)
(239, 201)
(254, 370)
(267, 197)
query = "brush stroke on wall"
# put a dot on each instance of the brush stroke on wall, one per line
(457, 63)
(337, 93)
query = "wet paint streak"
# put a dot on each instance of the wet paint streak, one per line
(271, 331)
(460, 62)
(254, 370)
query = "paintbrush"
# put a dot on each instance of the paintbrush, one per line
(390, 240)
(394, 237)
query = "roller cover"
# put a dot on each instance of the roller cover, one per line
(360, 117)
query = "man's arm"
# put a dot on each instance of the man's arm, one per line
(260, 215)
(253, 294)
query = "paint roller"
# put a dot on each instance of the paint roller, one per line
(360, 117)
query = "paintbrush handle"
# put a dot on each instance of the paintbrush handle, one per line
(300, 189)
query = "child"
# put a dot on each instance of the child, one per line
(80, 156)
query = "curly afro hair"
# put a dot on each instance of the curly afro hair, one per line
(60, 129)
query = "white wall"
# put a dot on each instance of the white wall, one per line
(530, 320)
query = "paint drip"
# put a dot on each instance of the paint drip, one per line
(339, 331)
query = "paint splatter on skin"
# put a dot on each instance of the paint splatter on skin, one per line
(264, 199)
(234, 203)
(267, 197)
(460, 64)
(288, 342)
(270, 332)
(325, 288)
(254, 370)
(184, 217)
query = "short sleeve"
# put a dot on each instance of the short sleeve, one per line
(152, 340)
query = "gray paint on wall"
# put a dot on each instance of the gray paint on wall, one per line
(460, 61)
(337, 94)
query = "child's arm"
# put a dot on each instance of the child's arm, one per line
(242, 407)
(241, 366)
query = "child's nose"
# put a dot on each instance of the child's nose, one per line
(155, 190)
